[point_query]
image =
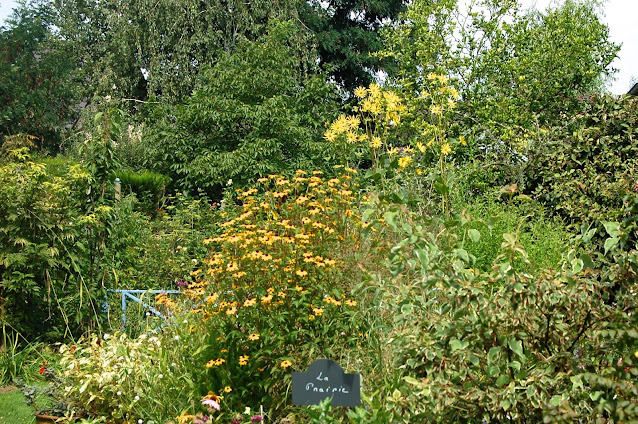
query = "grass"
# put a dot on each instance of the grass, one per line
(13, 410)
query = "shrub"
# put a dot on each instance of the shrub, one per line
(541, 237)
(42, 238)
(241, 123)
(504, 345)
(585, 174)
(148, 187)
(273, 294)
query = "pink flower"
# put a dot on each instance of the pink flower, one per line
(210, 403)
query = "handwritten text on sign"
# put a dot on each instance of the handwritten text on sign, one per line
(326, 379)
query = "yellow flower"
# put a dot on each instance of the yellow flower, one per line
(374, 90)
(360, 92)
(317, 311)
(436, 110)
(420, 147)
(351, 302)
(404, 161)
(301, 273)
(330, 136)
(228, 389)
(463, 141)
(250, 302)
(446, 149)
(215, 362)
(231, 311)
(243, 360)
(184, 419)
(253, 337)
(375, 143)
(285, 364)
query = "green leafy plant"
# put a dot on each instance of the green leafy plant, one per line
(585, 171)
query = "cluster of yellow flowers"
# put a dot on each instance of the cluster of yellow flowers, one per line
(379, 110)
(274, 254)
(439, 99)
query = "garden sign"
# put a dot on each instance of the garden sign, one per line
(326, 379)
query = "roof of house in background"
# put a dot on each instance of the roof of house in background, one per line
(634, 90)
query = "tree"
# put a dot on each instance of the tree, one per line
(516, 72)
(347, 35)
(35, 92)
(149, 48)
(254, 113)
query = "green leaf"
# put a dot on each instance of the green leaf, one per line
(502, 380)
(474, 235)
(413, 381)
(456, 344)
(462, 253)
(555, 400)
(612, 228)
(610, 243)
(493, 370)
(492, 355)
(517, 347)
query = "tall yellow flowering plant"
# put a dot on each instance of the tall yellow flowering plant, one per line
(438, 101)
(273, 294)
(376, 119)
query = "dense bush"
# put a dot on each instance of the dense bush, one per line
(42, 236)
(542, 237)
(241, 123)
(583, 173)
(270, 297)
(149, 188)
(505, 345)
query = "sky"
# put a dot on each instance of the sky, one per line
(619, 15)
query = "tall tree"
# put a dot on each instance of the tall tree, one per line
(141, 48)
(35, 92)
(517, 71)
(254, 113)
(347, 33)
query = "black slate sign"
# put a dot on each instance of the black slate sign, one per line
(326, 379)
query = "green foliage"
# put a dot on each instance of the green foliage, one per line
(268, 298)
(18, 360)
(541, 237)
(147, 253)
(242, 123)
(516, 72)
(41, 228)
(585, 171)
(149, 188)
(505, 345)
(35, 90)
(347, 33)
(150, 49)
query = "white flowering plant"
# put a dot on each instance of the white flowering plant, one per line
(141, 380)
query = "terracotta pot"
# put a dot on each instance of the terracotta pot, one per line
(45, 419)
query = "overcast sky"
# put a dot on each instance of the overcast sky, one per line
(619, 15)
